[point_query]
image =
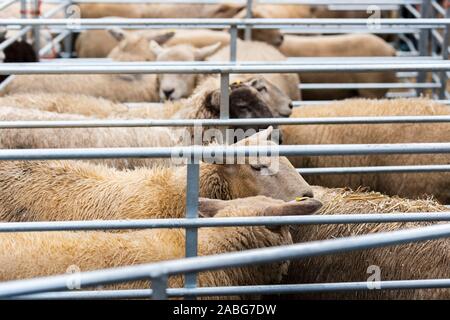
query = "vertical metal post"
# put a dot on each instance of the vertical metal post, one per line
(37, 28)
(23, 14)
(192, 194)
(69, 38)
(445, 43)
(224, 96)
(159, 287)
(249, 15)
(233, 42)
(423, 40)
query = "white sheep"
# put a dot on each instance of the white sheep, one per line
(411, 261)
(122, 87)
(352, 45)
(410, 185)
(31, 256)
(75, 190)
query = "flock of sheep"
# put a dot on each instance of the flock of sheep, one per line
(155, 188)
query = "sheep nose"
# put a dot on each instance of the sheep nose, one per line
(168, 92)
(291, 106)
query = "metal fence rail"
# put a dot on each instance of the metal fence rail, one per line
(158, 272)
(424, 27)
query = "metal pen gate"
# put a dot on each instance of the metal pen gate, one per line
(424, 27)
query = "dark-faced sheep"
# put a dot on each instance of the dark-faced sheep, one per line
(18, 51)
(245, 102)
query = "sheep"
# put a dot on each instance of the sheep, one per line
(421, 260)
(177, 86)
(402, 184)
(245, 102)
(160, 10)
(273, 36)
(278, 104)
(98, 250)
(18, 51)
(99, 43)
(76, 190)
(123, 87)
(354, 45)
(260, 51)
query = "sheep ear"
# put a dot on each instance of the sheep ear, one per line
(156, 48)
(2, 56)
(294, 208)
(228, 10)
(163, 38)
(208, 208)
(117, 33)
(205, 52)
(212, 101)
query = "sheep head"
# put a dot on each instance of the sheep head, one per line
(254, 98)
(278, 102)
(178, 86)
(134, 46)
(258, 206)
(217, 240)
(271, 36)
(263, 174)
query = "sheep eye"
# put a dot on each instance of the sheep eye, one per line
(262, 89)
(256, 167)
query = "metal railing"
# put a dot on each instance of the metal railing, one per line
(159, 272)
(423, 25)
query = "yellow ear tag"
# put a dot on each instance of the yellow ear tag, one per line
(299, 199)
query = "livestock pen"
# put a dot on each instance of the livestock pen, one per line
(424, 42)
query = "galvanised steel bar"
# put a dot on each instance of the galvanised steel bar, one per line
(6, 3)
(323, 86)
(47, 48)
(321, 102)
(30, 124)
(245, 290)
(424, 40)
(200, 153)
(439, 9)
(311, 2)
(445, 52)
(227, 260)
(36, 28)
(378, 169)
(226, 68)
(233, 43)
(224, 96)
(23, 15)
(23, 31)
(159, 288)
(192, 194)
(10, 40)
(289, 61)
(69, 38)
(95, 225)
(422, 23)
(248, 15)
